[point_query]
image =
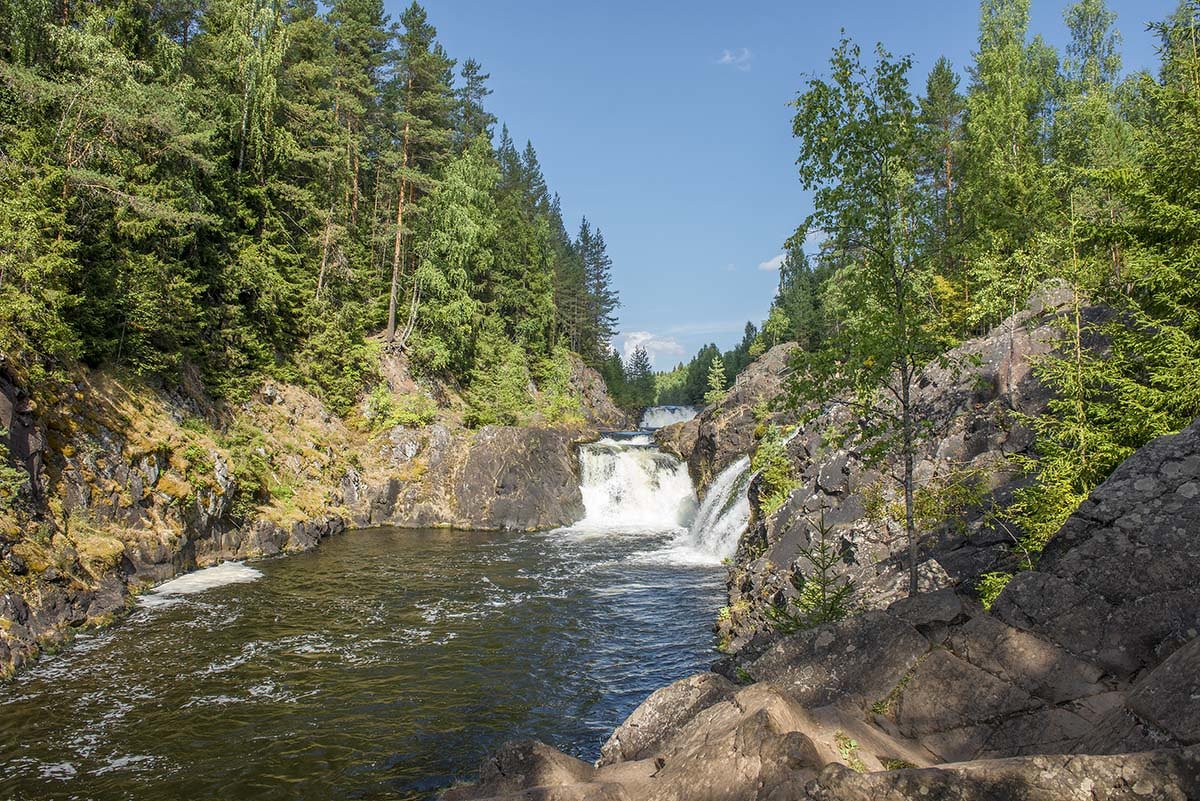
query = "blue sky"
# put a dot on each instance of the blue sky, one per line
(667, 124)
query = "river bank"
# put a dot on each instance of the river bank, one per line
(128, 484)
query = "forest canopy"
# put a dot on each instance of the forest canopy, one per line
(261, 188)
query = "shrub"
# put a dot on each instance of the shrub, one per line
(824, 594)
(771, 462)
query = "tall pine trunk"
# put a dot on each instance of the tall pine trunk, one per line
(395, 291)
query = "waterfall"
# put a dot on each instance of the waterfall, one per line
(657, 417)
(723, 517)
(628, 483)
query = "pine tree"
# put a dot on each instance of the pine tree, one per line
(600, 300)
(823, 593)
(472, 119)
(420, 107)
(716, 382)
(640, 375)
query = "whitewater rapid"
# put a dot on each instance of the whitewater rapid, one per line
(631, 488)
(657, 417)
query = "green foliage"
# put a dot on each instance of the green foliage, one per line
(499, 390)
(385, 410)
(12, 479)
(990, 585)
(848, 750)
(824, 593)
(254, 188)
(776, 476)
(336, 361)
(559, 402)
(716, 382)
(944, 500)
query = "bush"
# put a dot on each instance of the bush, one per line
(385, 410)
(12, 479)
(771, 462)
(824, 594)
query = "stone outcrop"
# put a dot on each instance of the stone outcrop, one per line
(725, 432)
(495, 478)
(1081, 682)
(971, 405)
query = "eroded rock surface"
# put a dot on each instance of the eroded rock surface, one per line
(971, 405)
(934, 698)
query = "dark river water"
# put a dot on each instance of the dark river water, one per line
(386, 664)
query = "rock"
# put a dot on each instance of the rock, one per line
(1149, 776)
(519, 478)
(1169, 695)
(662, 714)
(969, 405)
(522, 765)
(946, 694)
(1117, 584)
(725, 432)
(860, 660)
(500, 477)
(1015, 656)
(598, 406)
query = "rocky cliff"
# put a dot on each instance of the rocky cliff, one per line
(127, 484)
(724, 432)
(1080, 683)
(971, 405)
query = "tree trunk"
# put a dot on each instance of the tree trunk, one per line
(910, 528)
(395, 291)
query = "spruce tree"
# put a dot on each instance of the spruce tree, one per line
(716, 382)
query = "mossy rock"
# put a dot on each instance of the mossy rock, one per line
(98, 551)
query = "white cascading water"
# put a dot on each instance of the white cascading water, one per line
(657, 417)
(723, 516)
(628, 483)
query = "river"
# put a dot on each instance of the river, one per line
(385, 664)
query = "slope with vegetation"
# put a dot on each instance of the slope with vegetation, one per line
(264, 275)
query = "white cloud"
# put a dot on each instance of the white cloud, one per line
(653, 344)
(772, 264)
(738, 59)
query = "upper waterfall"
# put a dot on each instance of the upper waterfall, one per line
(657, 417)
(630, 483)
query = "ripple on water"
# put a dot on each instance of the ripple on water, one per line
(384, 665)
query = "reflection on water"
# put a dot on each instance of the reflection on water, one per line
(384, 665)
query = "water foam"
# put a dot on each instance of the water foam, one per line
(199, 581)
(660, 416)
(720, 523)
(630, 484)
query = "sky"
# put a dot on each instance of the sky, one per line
(667, 124)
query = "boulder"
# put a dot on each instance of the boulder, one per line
(859, 661)
(662, 714)
(523, 765)
(1169, 695)
(1117, 584)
